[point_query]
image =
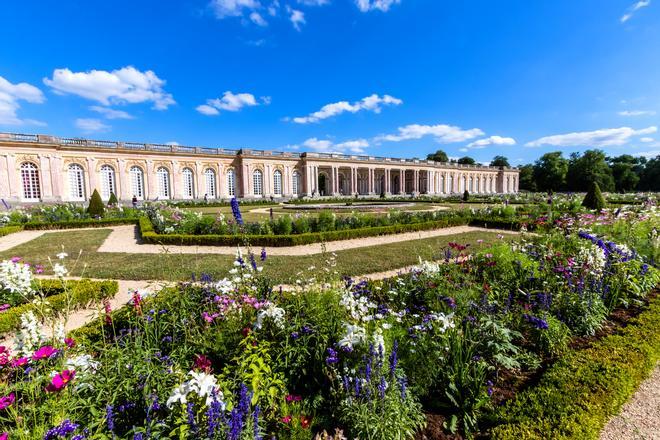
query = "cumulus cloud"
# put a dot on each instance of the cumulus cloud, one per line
(110, 113)
(607, 137)
(91, 125)
(372, 103)
(124, 86)
(233, 8)
(258, 19)
(648, 154)
(442, 133)
(230, 102)
(314, 2)
(492, 140)
(634, 8)
(356, 146)
(637, 113)
(10, 95)
(371, 5)
(296, 17)
(646, 139)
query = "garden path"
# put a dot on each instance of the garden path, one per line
(125, 239)
(639, 418)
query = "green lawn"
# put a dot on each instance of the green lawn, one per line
(282, 269)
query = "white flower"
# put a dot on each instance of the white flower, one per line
(426, 267)
(202, 384)
(62, 255)
(82, 364)
(59, 270)
(353, 335)
(29, 336)
(224, 286)
(359, 307)
(273, 312)
(16, 277)
(179, 394)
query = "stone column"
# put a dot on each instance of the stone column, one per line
(124, 187)
(246, 188)
(402, 181)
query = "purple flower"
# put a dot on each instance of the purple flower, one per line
(236, 211)
(62, 430)
(393, 359)
(332, 357)
(190, 410)
(110, 419)
(263, 254)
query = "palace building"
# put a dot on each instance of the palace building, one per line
(39, 168)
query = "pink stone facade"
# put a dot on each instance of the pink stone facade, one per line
(38, 168)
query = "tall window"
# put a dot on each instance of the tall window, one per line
(231, 183)
(163, 182)
(76, 182)
(209, 183)
(451, 183)
(277, 183)
(471, 184)
(188, 183)
(295, 183)
(443, 187)
(107, 181)
(257, 183)
(137, 182)
(30, 179)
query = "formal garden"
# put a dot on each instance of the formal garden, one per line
(533, 317)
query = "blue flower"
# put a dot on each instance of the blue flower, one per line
(236, 211)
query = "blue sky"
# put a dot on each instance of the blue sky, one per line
(394, 78)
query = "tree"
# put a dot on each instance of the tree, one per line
(550, 172)
(526, 178)
(95, 208)
(594, 199)
(591, 166)
(466, 196)
(626, 170)
(438, 156)
(466, 160)
(113, 200)
(650, 176)
(499, 161)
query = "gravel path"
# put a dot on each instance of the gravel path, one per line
(640, 416)
(125, 239)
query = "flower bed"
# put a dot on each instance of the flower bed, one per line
(235, 359)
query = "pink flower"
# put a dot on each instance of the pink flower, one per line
(19, 362)
(4, 355)
(4, 307)
(7, 401)
(38, 269)
(293, 398)
(4, 436)
(69, 342)
(44, 352)
(60, 380)
(287, 419)
(15, 259)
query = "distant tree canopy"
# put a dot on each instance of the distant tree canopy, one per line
(466, 160)
(554, 172)
(499, 161)
(438, 156)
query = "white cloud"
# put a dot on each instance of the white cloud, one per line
(636, 113)
(648, 154)
(646, 139)
(172, 143)
(296, 17)
(233, 8)
(314, 2)
(442, 133)
(634, 8)
(493, 140)
(10, 95)
(371, 5)
(110, 113)
(606, 137)
(356, 146)
(372, 103)
(91, 125)
(230, 102)
(124, 86)
(258, 19)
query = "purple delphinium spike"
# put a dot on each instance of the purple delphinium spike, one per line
(236, 211)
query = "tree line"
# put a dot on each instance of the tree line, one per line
(554, 172)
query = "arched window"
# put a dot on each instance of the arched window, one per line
(188, 183)
(163, 183)
(295, 183)
(76, 182)
(231, 183)
(257, 183)
(209, 183)
(30, 179)
(107, 182)
(277, 183)
(137, 182)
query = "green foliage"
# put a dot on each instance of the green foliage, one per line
(113, 200)
(466, 160)
(499, 161)
(466, 196)
(526, 178)
(438, 156)
(578, 394)
(6, 230)
(550, 172)
(96, 207)
(594, 198)
(589, 167)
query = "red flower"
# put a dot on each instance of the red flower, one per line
(305, 422)
(60, 381)
(293, 398)
(202, 363)
(246, 331)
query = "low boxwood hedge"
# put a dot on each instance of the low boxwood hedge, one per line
(580, 392)
(82, 223)
(6, 230)
(149, 235)
(83, 293)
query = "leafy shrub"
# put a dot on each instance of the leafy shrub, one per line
(594, 199)
(96, 207)
(113, 200)
(466, 196)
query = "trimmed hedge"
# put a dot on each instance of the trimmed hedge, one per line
(576, 396)
(149, 235)
(6, 230)
(83, 292)
(82, 223)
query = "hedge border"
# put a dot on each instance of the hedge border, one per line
(150, 236)
(84, 292)
(83, 223)
(576, 397)
(6, 230)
